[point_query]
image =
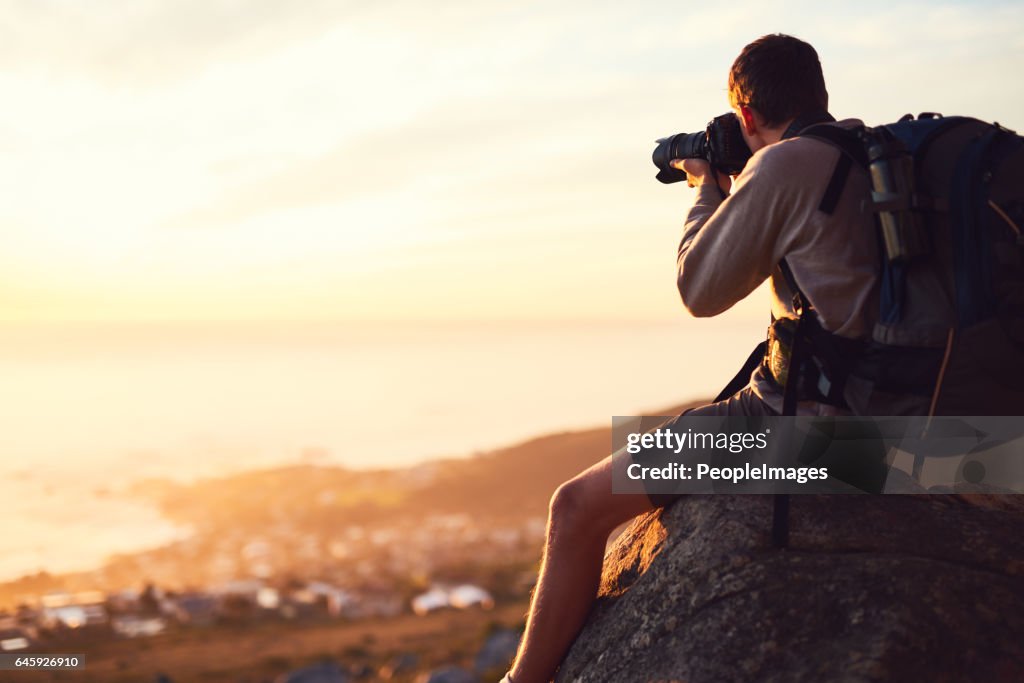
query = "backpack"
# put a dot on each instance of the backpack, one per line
(948, 197)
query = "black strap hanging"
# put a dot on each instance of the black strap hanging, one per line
(780, 507)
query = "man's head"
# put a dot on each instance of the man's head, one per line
(775, 79)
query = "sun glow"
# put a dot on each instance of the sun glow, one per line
(333, 163)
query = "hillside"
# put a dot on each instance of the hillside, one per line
(427, 520)
(511, 482)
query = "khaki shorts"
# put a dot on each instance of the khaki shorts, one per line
(743, 403)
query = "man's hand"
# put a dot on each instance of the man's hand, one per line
(698, 172)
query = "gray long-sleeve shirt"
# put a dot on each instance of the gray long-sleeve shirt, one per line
(731, 246)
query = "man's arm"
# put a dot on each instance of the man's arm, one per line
(731, 246)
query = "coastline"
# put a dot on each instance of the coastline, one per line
(549, 456)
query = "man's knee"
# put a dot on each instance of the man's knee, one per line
(567, 509)
(581, 506)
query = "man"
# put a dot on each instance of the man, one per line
(776, 214)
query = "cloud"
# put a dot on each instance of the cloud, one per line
(469, 148)
(140, 43)
(189, 143)
(146, 43)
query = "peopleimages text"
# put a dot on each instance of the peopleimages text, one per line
(678, 471)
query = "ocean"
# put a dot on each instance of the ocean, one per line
(91, 408)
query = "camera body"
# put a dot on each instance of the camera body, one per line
(721, 144)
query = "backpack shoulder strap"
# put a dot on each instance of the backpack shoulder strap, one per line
(852, 152)
(848, 140)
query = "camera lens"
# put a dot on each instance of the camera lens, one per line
(678, 146)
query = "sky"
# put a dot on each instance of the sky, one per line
(218, 160)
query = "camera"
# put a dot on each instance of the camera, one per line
(721, 144)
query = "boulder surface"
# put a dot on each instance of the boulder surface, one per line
(871, 588)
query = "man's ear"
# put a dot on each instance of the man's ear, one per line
(748, 120)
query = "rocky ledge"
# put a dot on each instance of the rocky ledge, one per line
(871, 588)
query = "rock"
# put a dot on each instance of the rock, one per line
(318, 673)
(449, 674)
(872, 588)
(497, 652)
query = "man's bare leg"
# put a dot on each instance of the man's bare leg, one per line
(583, 514)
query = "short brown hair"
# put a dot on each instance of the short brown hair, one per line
(779, 76)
